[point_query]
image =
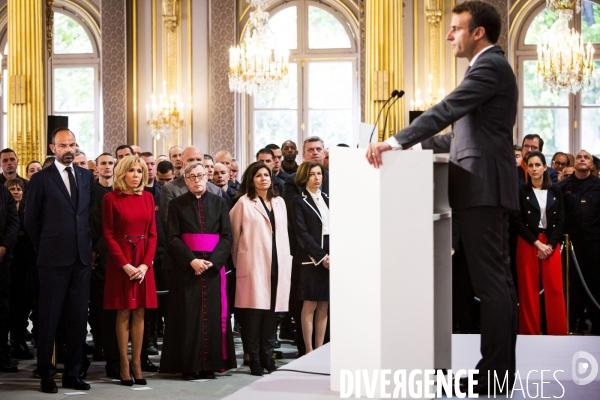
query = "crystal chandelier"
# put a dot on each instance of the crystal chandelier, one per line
(255, 65)
(163, 116)
(564, 63)
(559, 5)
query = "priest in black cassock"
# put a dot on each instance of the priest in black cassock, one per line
(198, 338)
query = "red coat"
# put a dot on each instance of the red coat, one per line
(128, 215)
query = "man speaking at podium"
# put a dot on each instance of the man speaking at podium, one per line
(482, 175)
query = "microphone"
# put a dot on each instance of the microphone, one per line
(394, 94)
(387, 113)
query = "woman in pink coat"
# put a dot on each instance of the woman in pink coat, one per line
(261, 256)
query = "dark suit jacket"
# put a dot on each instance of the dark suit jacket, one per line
(99, 271)
(291, 190)
(528, 219)
(58, 229)
(308, 228)
(483, 109)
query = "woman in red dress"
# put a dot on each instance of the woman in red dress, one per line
(129, 233)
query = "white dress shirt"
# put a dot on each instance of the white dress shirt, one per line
(542, 196)
(323, 209)
(63, 174)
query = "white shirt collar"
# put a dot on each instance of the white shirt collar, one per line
(61, 167)
(315, 196)
(478, 54)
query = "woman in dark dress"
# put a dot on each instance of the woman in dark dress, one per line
(540, 225)
(129, 234)
(311, 227)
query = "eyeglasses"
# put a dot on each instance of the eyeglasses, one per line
(532, 148)
(560, 164)
(194, 178)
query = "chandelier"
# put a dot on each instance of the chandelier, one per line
(564, 63)
(163, 116)
(256, 66)
(560, 5)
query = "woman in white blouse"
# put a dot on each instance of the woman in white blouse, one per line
(311, 226)
(540, 225)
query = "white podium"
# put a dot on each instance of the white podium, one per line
(391, 275)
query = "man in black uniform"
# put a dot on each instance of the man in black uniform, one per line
(581, 193)
(102, 321)
(9, 231)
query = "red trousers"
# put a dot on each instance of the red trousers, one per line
(529, 269)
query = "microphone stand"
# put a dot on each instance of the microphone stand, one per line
(394, 94)
(387, 113)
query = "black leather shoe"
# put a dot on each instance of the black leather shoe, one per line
(48, 385)
(205, 375)
(255, 368)
(269, 366)
(149, 366)
(6, 366)
(188, 376)
(152, 350)
(76, 384)
(138, 381)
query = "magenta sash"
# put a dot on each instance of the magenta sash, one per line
(207, 242)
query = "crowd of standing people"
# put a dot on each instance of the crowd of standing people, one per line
(142, 247)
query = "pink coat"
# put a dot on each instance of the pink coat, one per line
(251, 253)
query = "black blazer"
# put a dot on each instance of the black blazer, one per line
(528, 219)
(308, 228)
(483, 109)
(290, 191)
(58, 229)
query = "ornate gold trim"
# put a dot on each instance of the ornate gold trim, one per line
(416, 44)
(153, 17)
(189, 67)
(26, 121)
(384, 52)
(49, 27)
(135, 71)
(171, 72)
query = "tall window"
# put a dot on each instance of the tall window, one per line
(75, 75)
(566, 122)
(321, 97)
(74, 87)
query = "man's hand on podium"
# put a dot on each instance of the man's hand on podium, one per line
(374, 152)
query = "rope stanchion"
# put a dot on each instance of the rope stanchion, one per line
(585, 286)
(566, 248)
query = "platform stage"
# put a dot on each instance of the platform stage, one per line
(307, 378)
